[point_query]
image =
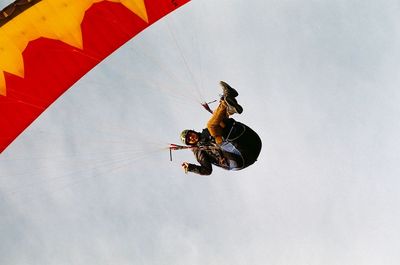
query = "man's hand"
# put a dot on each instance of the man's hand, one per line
(185, 167)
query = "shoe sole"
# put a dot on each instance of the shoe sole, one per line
(228, 89)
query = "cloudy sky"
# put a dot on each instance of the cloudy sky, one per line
(90, 182)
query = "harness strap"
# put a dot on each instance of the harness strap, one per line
(230, 132)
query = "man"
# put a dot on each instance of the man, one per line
(225, 142)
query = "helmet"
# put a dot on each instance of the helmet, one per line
(184, 135)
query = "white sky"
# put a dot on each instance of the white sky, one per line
(89, 182)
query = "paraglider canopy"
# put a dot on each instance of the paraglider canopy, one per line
(44, 50)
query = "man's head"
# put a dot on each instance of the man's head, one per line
(190, 137)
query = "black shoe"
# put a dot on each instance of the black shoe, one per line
(228, 90)
(233, 105)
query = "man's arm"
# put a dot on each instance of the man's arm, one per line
(205, 167)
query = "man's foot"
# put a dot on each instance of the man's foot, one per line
(228, 90)
(233, 105)
(229, 97)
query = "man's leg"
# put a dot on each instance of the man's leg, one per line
(227, 106)
(216, 125)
